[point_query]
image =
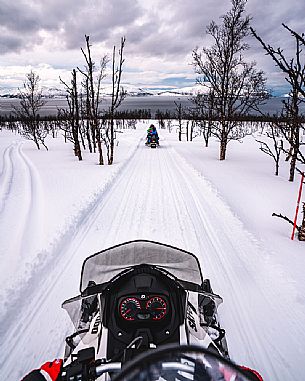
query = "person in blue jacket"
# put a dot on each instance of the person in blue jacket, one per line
(152, 131)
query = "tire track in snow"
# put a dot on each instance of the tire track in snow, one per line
(231, 252)
(6, 175)
(53, 265)
(34, 210)
(21, 198)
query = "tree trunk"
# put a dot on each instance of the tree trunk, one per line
(293, 164)
(223, 145)
(93, 134)
(187, 131)
(288, 156)
(100, 150)
(82, 138)
(301, 233)
(277, 167)
(206, 133)
(78, 151)
(223, 149)
(75, 126)
(192, 129)
(110, 160)
(35, 138)
(88, 135)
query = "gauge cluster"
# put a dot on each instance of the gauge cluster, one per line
(143, 307)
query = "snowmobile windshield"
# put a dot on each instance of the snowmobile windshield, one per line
(103, 266)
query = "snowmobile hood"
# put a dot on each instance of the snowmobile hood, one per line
(106, 264)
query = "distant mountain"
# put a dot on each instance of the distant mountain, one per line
(9, 92)
(48, 92)
(166, 91)
(53, 92)
(184, 91)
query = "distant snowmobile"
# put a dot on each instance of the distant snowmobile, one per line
(152, 141)
(138, 298)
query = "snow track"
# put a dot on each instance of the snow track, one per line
(158, 196)
(21, 197)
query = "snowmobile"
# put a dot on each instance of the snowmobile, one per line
(137, 299)
(152, 142)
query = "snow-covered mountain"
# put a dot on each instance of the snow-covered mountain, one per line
(53, 92)
(48, 92)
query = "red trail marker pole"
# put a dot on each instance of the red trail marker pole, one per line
(297, 208)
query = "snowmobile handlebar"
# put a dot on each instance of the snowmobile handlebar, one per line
(110, 367)
(93, 372)
(115, 367)
(198, 362)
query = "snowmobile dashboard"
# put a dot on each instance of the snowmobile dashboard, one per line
(143, 303)
(143, 307)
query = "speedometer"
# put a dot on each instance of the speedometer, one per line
(129, 308)
(157, 307)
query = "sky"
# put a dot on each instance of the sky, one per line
(46, 36)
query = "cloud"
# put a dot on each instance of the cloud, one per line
(18, 17)
(161, 34)
(69, 19)
(9, 42)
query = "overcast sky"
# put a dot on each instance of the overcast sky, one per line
(46, 36)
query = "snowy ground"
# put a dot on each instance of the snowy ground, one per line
(55, 211)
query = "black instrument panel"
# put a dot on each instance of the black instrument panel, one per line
(143, 307)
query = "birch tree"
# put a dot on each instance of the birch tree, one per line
(236, 84)
(117, 96)
(93, 77)
(294, 70)
(28, 113)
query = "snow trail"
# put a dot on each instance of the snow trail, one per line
(20, 197)
(6, 175)
(158, 196)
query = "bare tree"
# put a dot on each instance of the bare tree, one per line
(273, 148)
(28, 112)
(92, 85)
(179, 110)
(73, 115)
(300, 228)
(294, 70)
(117, 96)
(236, 84)
(204, 104)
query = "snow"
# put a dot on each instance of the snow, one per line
(55, 211)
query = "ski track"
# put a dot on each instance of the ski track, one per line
(155, 196)
(46, 259)
(21, 197)
(6, 176)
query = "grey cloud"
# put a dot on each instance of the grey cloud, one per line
(100, 21)
(73, 19)
(180, 28)
(18, 17)
(170, 29)
(268, 16)
(136, 34)
(9, 43)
